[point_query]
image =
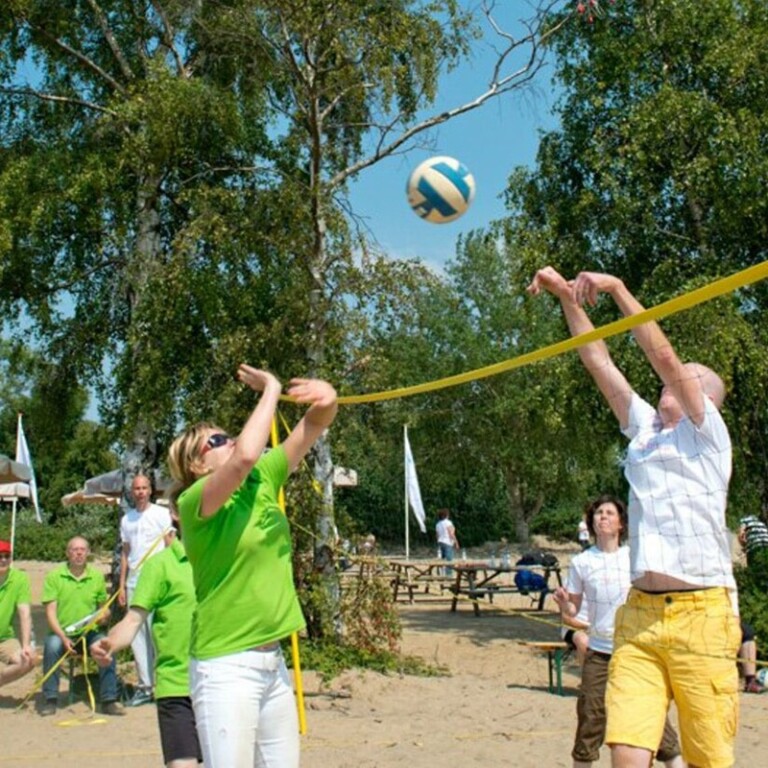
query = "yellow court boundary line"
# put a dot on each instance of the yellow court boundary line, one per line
(666, 309)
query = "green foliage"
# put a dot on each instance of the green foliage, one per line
(752, 584)
(330, 659)
(48, 542)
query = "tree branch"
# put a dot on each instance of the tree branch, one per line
(58, 99)
(497, 86)
(79, 56)
(111, 40)
(168, 35)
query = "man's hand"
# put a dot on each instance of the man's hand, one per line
(589, 285)
(549, 279)
(121, 598)
(101, 651)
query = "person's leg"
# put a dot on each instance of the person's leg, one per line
(241, 701)
(703, 639)
(13, 664)
(107, 675)
(143, 652)
(638, 692)
(580, 640)
(590, 709)
(53, 650)
(669, 749)
(178, 734)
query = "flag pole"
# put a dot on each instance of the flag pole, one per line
(407, 539)
(13, 526)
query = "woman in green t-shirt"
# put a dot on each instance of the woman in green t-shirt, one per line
(238, 542)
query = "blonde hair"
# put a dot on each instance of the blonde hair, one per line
(184, 458)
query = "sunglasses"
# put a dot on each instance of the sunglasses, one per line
(215, 441)
(5, 556)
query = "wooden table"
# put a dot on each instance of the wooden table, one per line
(411, 575)
(484, 579)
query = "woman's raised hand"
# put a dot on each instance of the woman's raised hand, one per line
(256, 379)
(312, 392)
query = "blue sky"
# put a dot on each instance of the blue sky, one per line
(490, 141)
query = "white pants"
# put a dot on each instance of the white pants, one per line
(143, 649)
(245, 711)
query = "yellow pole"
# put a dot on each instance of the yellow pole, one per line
(297, 683)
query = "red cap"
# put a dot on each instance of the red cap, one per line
(5, 546)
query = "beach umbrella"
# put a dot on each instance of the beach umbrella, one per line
(13, 472)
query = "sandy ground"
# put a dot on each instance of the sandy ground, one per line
(492, 708)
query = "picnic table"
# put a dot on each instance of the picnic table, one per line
(486, 579)
(411, 575)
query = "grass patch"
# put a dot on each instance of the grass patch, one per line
(331, 659)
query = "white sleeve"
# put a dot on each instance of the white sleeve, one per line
(641, 415)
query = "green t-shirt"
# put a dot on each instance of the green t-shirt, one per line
(241, 560)
(165, 586)
(13, 591)
(75, 598)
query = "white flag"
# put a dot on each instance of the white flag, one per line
(23, 457)
(412, 485)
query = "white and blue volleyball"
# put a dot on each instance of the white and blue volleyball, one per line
(440, 190)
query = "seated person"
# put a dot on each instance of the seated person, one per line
(575, 631)
(748, 659)
(71, 592)
(16, 659)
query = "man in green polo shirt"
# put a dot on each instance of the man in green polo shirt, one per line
(165, 588)
(16, 660)
(72, 592)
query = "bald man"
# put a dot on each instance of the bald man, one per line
(678, 634)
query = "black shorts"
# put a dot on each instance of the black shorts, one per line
(568, 638)
(747, 633)
(178, 734)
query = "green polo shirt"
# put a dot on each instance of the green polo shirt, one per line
(75, 598)
(165, 586)
(241, 560)
(14, 591)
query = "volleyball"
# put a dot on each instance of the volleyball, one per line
(762, 676)
(440, 190)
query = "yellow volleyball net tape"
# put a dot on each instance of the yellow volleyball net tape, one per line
(666, 309)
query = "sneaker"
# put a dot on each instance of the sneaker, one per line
(754, 687)
(139, 698)
(49, 708)
(112, 708)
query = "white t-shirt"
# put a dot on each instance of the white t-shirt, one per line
(678, 481)
(583, 531)
(582, 616)
(445, 531)
(603, 579)
(141, 530)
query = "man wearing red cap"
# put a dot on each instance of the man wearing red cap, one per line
(16, 660)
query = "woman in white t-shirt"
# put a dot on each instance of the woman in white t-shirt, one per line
(600, 576)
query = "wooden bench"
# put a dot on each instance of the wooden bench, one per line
(556, 652)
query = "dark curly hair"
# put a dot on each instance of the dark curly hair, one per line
(606, 498)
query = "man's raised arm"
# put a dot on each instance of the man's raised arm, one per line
(683, 381)
(595, 355)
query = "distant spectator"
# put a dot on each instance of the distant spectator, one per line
(447, 542)
(73, 592)
(583, 534)
(16, 659)
(748, 660)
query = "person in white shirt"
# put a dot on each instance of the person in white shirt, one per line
(141, 531)
(445, 531)
(678, 635)
(599, 579)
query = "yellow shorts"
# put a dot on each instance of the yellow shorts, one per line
(680, 645)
